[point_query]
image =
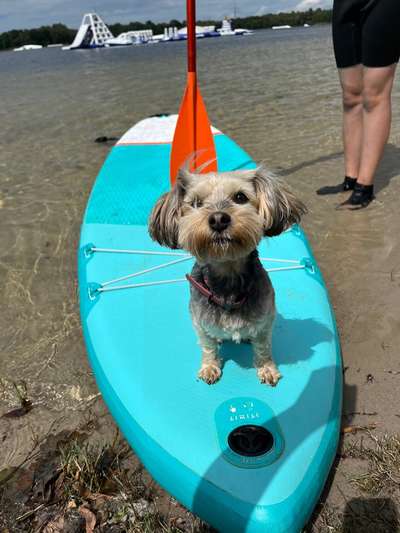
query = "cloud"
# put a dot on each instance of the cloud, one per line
(309, 4)
(263, 10)
(274, 6)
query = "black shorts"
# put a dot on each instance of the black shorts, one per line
(366, 32)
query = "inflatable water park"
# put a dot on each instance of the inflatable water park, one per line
(94, 33)
(242, 455)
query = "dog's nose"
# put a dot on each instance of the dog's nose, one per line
(219, 221)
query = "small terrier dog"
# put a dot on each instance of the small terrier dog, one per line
(220, 218)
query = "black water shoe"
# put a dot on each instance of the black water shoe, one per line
(347, 185)
(361, 196)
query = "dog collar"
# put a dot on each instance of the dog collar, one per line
(218, 300)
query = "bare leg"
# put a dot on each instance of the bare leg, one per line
(351, 80)
(366, 126)
(377, 116)
(210, 370)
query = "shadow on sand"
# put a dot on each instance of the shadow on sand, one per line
(370, 515)
(389, 167)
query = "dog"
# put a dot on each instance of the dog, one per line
(220, 218)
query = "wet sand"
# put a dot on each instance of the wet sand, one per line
(283, 107)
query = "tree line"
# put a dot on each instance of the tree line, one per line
(59, 33)
(45, 35)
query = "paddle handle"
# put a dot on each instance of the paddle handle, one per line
(191, 34)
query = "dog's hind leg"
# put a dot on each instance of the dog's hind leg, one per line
(210, 370)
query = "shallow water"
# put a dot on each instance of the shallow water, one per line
(277, 95)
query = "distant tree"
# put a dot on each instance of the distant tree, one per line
(45, 35)
(175, 23)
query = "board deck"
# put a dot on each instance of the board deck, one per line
(145, 356)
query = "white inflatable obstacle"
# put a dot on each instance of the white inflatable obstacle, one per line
(92, 33)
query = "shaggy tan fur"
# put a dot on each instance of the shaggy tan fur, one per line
(252, 204)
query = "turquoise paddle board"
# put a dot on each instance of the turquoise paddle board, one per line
(243, 456)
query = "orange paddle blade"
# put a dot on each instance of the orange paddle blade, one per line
(193, 140)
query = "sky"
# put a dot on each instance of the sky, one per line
(19, 14)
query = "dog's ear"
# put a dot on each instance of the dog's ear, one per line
(164, 217)
(277, 205)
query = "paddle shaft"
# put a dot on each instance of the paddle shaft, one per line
(191, 34)
(192, 75)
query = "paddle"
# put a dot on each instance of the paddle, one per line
(193, 137)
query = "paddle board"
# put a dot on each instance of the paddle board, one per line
(241, 455)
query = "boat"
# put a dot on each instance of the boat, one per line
(28, 47)
(284, 27)
(226, 29)
(92, 33)
(243, 456)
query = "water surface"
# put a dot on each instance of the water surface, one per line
(276, 94)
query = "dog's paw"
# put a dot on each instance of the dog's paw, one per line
(269, 374)
(210, 373)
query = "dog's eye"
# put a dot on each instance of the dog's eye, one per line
(240, 198)
(196, 202)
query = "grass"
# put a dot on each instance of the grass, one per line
(91, 474)
(326, 520)
(87, 469)
(102, 488)
(383, 456)
(106, 484)
(370, 503)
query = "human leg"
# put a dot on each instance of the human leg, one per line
(346, 33)
(351, 81)
(368, 35)
(377, 115)
(380, 54)
(376, 111)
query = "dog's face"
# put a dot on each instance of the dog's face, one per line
(219, 217)
(223, 216)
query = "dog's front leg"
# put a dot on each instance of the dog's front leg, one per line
(210, 370)
(267, 371)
